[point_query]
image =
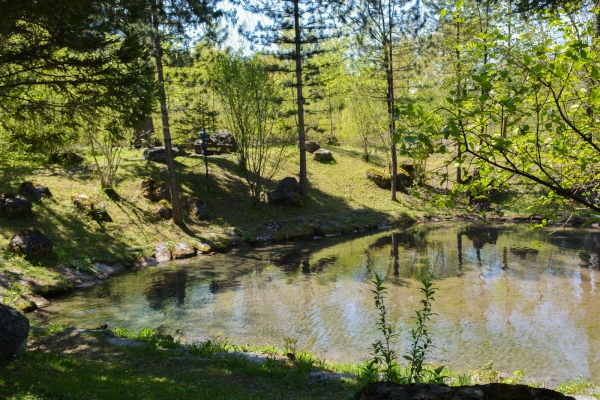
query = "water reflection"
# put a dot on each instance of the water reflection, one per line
(526, 300)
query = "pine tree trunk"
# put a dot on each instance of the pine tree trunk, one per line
(299, 87)
(165, 118)
(390, 102)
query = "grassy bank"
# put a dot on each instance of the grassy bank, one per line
(85, 365)
(341, 201)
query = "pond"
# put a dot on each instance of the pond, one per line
(525, 299)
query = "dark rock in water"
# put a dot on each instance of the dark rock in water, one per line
(323, 155)
(14, 205)
(14, 330)
(422, 391)
(286, 187)
(155, 190)
(311, 147)
(30, 242)
(34, 191)
(159, 154)
(197, 208)
(183, 250)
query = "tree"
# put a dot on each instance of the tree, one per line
(67, 57)
(296, 27)
(532, 110)
(168, 18)
(252, 103)
(379, 25)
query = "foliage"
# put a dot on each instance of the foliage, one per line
(382, 353)
(384, 356)
(419, 335)
(252, 103)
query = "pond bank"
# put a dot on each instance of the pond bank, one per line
(134, 364)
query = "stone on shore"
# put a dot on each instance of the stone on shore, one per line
(183, 250)
(34, 190)
(162, 253)
(311, 147)
(155, 190)
(323, 155)
(197, 208)
(423, 391)
(14, 330)
(159, 154)
(14, 205)
(31, 243)
(286, 192)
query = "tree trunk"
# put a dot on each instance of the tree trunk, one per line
(390, 102)
(143, 132)
(162, 98)
(458, 83)
(299, 87)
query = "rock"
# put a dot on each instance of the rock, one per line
(82, 202)
(323, 155)
(275, 225)
(286, 187)
(103, 271)
(165, 212)
(384, 180)
(159, 154)
(311, 147)
(183, 250)
(14, 330)
(30, 242)
(34, 191)
(71, 158)
(100, 215)
(264, 238)
(144, 262)
(14, 205)
(95, 211)
(77, 278)
(204, 248)
(331, 140)
(492, 391)
(155, 190)
(197, 208)
(410, 168)
(162, 253)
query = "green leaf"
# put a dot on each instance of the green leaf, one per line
(459, 4)
(443, 13)
(527, 58)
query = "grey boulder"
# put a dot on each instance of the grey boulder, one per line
(323, 155)
(30, 242)
(14, 330)
(159, 153)
(14, 205)
(34, 191)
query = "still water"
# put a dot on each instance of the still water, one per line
(525, 299)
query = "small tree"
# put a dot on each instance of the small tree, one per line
(251, 103)
(108, 141)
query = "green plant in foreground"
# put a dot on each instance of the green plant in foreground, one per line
(384, 357)
(382, 353)
(419, 336)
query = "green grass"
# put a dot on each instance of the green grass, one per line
(61, 364)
